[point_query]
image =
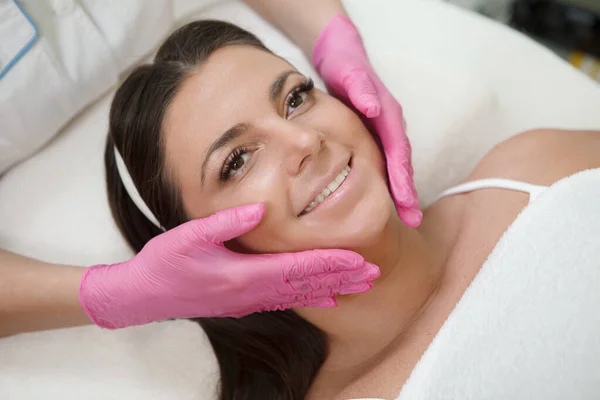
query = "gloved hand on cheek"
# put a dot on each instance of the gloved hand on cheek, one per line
(187, 272)
(340, 58)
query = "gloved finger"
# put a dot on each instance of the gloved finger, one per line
(321, 302)
(328, 301)
(362, 92)
(405, 195)
(333, 282)
(314, 262)
(362, 285)
(412, 217)
(357, 288)
(261, 308)
(227, 224)
(239, 313)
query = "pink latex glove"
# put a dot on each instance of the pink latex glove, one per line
(187, 272)
(340, 58)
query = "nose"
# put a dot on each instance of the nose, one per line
(301, 145)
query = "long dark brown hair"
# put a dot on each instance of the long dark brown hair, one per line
(273, 355)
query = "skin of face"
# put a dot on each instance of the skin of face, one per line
(285, 150)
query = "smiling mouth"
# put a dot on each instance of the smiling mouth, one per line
(329, 189)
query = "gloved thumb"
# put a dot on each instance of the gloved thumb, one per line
(362, 93)
(228, 224)
(411, 217)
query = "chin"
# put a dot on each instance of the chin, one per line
(367, 223)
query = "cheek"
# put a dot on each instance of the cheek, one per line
(372, 213)
(272, 234)
(363, 223)
(276, 235)
(347, 128)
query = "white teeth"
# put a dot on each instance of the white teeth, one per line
(332, 187)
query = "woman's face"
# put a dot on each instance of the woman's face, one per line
(246, 128)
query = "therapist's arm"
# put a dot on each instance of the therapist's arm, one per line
(301, 20)
(183, 273)
(37, 296)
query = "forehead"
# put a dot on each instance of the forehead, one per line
(229, 86)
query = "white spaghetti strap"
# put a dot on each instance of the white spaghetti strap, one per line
(535, 191)
(495, 183)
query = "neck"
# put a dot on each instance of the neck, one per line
(364, 325)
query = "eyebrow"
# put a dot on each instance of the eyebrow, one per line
(237, 130)
(279, 83)
(230, 135)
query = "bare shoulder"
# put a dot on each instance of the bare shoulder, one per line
(541, 156)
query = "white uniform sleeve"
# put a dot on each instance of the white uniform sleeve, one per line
(82, 48)
(17, 25)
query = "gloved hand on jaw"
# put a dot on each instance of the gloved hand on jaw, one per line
(187, 272)
(341, 59)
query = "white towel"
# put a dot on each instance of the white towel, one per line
(528, 327)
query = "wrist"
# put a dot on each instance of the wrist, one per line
(317, 24)
(106, 295)
(339, 33)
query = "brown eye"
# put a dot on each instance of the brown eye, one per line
(295, 100)
(238, 163)
(235, 163)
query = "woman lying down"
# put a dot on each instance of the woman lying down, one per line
(218, 121)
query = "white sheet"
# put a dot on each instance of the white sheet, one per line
(465, 83)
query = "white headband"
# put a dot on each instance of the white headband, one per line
(132, 191)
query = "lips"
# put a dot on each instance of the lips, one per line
(330, 188)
